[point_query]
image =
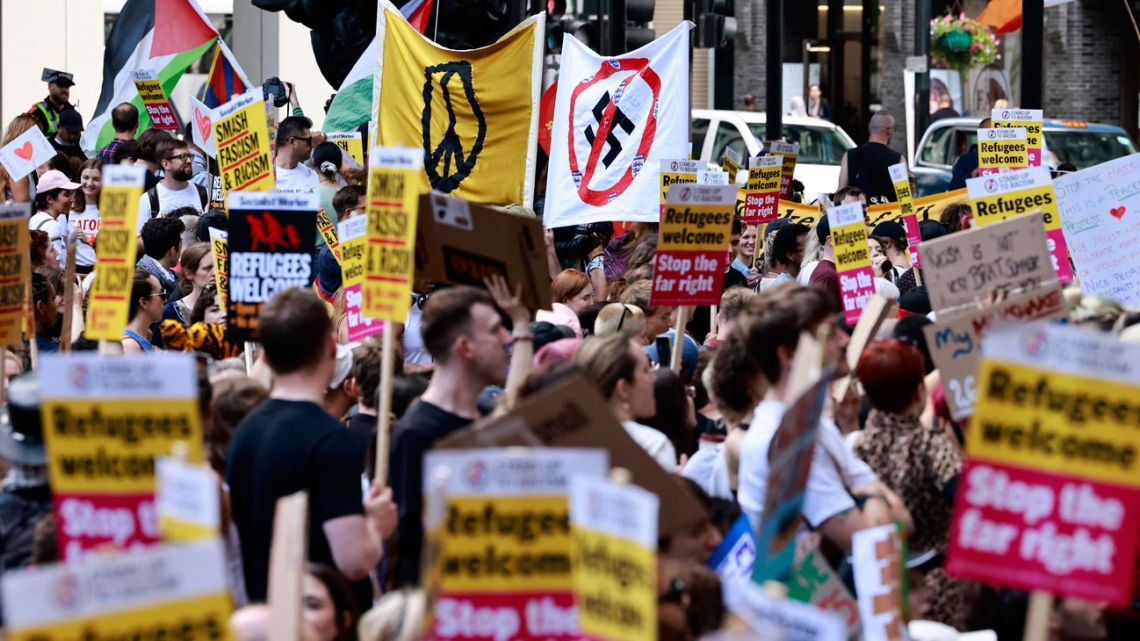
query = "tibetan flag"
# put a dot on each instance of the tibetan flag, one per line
(473, 113)
(225, 80)
(353, 102)
(165, 36)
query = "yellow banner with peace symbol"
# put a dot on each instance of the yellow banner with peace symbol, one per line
(474, 113)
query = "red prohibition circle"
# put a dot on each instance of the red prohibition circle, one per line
(642, 71)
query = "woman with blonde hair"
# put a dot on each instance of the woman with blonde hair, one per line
(18, 189)
(620, 318)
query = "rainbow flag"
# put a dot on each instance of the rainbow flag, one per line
(225, 80)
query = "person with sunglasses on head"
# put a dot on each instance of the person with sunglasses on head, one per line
(295, 143)
(175, 190)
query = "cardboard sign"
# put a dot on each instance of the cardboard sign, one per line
(901, 180)
(14, 269)
(1100, 216)
(955, 341)
(350, 142)
(202, 127)
(220, 249)
(109, 304)
(878, 560)
(1049, 497)
(692, 252)
(762, 193)
(271, 238)
(502, 554)
(1001, 196)
(242, 137)
(614, 553)
(925, 208)
(186, 500)
(815, 582)
(852, 259)
(354, 249)
(1005, 149)
(155, 100)
(782, 619)
(328, 231)
(394, 180)
(789, 153)
(26, 152)
(104, 422)
(1028, 119)
(165, 592)
(574, 414)
(463, 243)
(964, 268)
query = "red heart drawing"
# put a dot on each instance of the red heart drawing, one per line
(1117, 212)
(25, 152)
(203, 122)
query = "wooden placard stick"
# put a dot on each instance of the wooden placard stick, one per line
(287, 566)
(248, 353)
(874, 313)
(679, 338)
(384, 405)
(1037, 617)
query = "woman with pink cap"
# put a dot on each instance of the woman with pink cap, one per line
(54, 197)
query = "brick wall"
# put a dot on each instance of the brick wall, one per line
(1083, 60)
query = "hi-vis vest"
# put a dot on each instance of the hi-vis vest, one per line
(51, 117)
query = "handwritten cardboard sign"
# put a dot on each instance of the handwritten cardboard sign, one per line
(1049, 498)
(202, 128)
(26, 152)
(955, 342)
(692, 251)
(491, 580)
(271, 238)
(104, 422)
(1001, 196)
(463, 243)
(963, 268)
(1100, 217)
(574, 414)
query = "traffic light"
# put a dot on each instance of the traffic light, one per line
(559, 24)
(716, 26)
(626, 26)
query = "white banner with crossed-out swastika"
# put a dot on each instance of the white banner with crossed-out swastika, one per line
(615, 120)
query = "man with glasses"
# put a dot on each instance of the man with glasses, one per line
(866, 166)
(295, 142)
(174, 191)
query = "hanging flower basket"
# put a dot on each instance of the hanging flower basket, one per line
(961, 42)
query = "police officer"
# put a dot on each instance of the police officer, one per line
(47, 111)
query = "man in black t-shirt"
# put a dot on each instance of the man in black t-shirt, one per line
(468, 342)
(289, 443)
(866, 166)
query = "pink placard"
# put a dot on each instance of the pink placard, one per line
(359, 325)
(1059, 250)
(87, 523)
(685, 277)
(1030, 530)
(855, 287)
(913, 238)
(761, 208)
(519, 616)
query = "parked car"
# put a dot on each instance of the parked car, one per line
(822, 143)
(1081, 143)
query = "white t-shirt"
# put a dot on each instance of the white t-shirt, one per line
(300, 178)
(653, 442)
(169, 200)
(87, 223)
(54, 228)
(826, 494)
(805, 273)
(707, 468)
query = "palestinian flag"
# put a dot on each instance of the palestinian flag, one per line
(166, 36)
(352, 106)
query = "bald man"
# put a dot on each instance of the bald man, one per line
(866, 166)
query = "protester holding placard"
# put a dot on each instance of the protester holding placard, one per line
(54, 196)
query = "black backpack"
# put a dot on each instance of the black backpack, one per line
(152, 194)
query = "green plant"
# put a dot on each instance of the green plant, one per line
(961, 42)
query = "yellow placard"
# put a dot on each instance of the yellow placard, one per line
(1055, 422)
(1002, 149)
(477, 555)
(353, 251)
(204, 617)
(328, 232)
(993, 209)
(109, 302)
(851, 247)
(243, 144)
(350, 143)
(616, 584)
(14, 270)
(155, 101)
(696, 227)
(730, 166)
(392, 210)
(220, 247)
(108, 445)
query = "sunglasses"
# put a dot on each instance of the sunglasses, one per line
(308, 139)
